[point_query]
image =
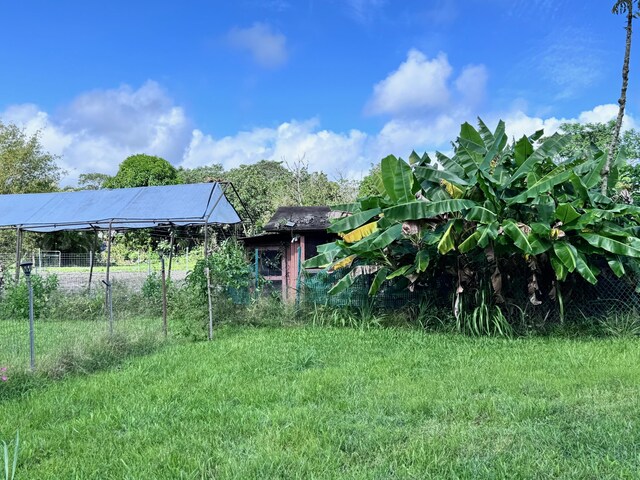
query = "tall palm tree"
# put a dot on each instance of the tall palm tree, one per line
(624, 7)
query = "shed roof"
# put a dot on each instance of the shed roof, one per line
(299, 218)
(123, 208)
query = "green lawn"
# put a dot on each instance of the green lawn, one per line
(341, 403)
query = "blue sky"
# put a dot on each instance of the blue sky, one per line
(340, 83)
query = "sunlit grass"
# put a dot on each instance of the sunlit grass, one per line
(341, 403)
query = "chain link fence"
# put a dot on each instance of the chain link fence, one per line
(71, 308)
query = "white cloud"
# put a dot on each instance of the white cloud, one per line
(519, 123)
(472, 84)
(267, 47)
(99, 129)
(418, 85)
(332, 152)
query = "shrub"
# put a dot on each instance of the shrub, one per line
(15, 297)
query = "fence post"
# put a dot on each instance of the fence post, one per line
(109, 298)
(187, 260)
(164, 297)
(18, 252)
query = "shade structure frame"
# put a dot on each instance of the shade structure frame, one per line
(120, 209)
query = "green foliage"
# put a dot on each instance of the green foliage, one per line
(92, 181)
(14, 299)
(24, 166)
(10, 469)
(202, 174)
(228, 268)
(496, 213)
(369, 186)
(143, 170)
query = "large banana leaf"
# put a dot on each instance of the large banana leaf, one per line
(470, 242)
(481, 215)
(567, 254)
(378, 280)
(387, 237)
(359, 233)
(397, 179)
(549, 149)
(323, 259)
(592, 178)
(432, 174)
(522, 150)
(354, 221)
(558, 175)
(515, 233)
(422, 261)
(616, 266)
(566, 213)
(499, 141)
(585, 270)
(447, 242)
(611, 245)
(452, 165)
(559, 268)
(346, 281)
(471, 139)
(418, 209)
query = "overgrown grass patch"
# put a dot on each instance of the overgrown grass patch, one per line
(341, 403)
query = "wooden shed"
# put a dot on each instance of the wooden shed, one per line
(291, 236)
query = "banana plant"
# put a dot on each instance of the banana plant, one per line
(489, 205)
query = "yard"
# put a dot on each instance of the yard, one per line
(341, 403)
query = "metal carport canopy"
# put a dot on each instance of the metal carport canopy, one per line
(120, 209)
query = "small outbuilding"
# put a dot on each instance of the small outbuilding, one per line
(290, 237)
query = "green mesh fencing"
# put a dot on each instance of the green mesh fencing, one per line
(315, 290)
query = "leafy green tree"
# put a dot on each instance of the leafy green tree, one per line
(92, 181)
(262, 186)
(25, 167)
(496, 213)
(143, 170)
(625, 171)
(620, 7)
(371, 182)
(202, 174)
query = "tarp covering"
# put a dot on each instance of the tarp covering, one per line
(123, 208)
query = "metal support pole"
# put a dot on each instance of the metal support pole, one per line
(206, 272)
(32, 346)
(108, 299)
(171, 239)
(18, 252)
(164, 298)
(187, 260)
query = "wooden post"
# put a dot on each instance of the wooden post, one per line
(164, 298)
(18, 252)
(171, 238)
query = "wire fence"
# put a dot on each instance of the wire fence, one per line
(72, 310)
(71, 307)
